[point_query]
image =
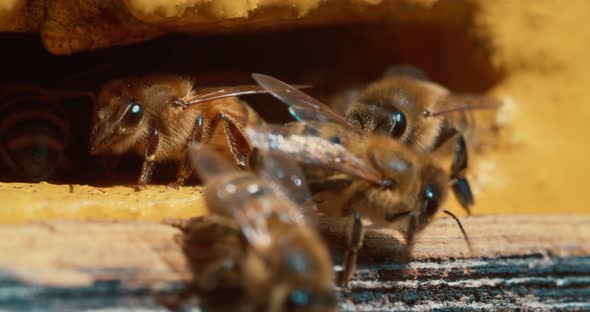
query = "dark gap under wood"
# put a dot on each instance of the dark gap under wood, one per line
(330, 58)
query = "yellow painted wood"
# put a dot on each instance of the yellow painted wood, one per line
(21, 202)
(543, 48)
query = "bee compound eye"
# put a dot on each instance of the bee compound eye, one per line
(398, 124)
(134, 113)
(431, 199)
(298, 298)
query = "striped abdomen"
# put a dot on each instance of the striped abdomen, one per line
(33, 135)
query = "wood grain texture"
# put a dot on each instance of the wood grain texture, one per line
(536, 262)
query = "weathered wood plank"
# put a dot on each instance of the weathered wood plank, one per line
(537, 262)
(491, 236)
(532, 281)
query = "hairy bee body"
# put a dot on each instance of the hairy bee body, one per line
(154, 117)
(425, 116)
(338, 193)
(411, 96)
(283, 263)
(217, 255)
(372, 109)
(355, 171)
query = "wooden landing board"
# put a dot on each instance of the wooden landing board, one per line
(534, 261)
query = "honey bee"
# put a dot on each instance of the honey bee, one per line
(214, 248)
(269, 252)
(158, 116)
(354, 174)
(34, 131)
(404, 104)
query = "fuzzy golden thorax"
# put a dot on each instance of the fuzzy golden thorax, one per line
(393, 161)
(432, 196)
(290, 268)
(413, 175)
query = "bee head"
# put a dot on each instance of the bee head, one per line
(394, 106)
(372, 117)
(119, 118)
(303, 274)
(433, 193)
(396, 162)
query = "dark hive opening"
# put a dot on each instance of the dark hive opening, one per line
(329, 58)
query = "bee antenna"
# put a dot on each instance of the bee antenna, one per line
(392, 126)
(427, 113)
(462, 230)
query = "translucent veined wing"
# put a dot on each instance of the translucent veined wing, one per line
(309, 149)
(207, 163)
(463, 102)
(287, 178)
(301, 106)
(248, 199)
(233, 196)
(460, 109)
(214, 93)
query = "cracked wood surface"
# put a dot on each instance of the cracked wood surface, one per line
(540, 262)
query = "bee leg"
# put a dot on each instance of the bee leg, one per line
(184, 168)
(198, 131)
(410, 238)
(354, 241)
(460, 185)
(184, 172)
(147, 168)
(237, 143)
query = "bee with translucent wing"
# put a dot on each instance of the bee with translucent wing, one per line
(158, 116)
(357, 174)
(287, 266)
(405, 105)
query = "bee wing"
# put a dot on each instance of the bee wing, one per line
(301, 106)
(214, 93)
(309, 149)
(465, 102)
(207, 163)
(251, 200)
(287, 178)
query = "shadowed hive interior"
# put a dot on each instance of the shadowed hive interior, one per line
(468, 46)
